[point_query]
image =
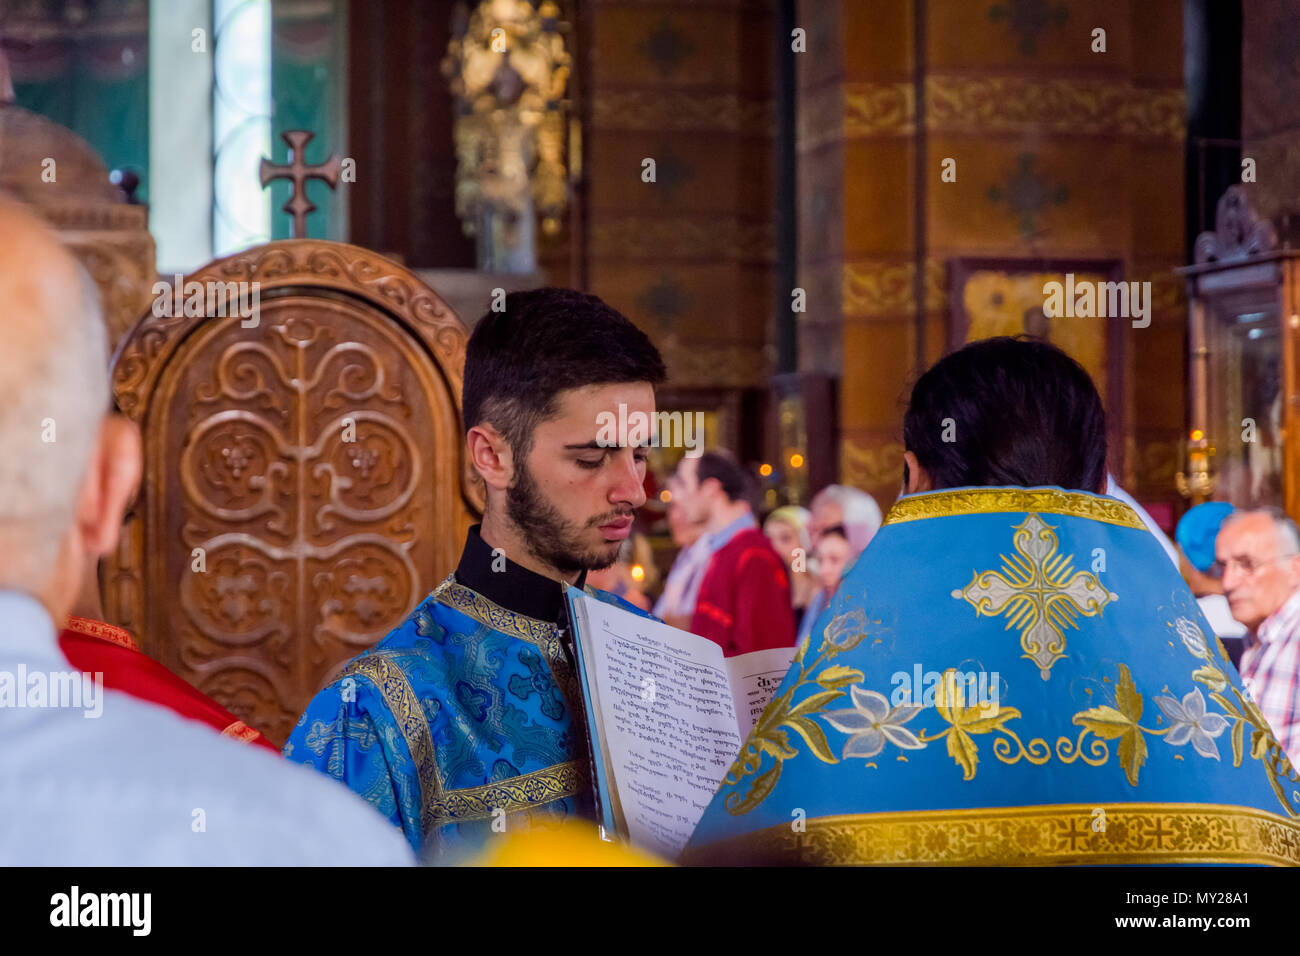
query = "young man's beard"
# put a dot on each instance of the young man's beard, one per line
(552, 537)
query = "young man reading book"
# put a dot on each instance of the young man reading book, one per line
(468, 718)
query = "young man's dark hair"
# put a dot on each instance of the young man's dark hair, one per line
(737, 484)
(544, 342)
(1021, 412)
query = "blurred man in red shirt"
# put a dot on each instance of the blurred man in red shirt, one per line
(744, 597)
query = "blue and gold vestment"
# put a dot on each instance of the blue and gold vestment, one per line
(466, 710)
(1076, 707)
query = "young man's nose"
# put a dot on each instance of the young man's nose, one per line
(628, 482)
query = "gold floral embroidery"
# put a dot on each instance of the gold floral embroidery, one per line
(1189, 723)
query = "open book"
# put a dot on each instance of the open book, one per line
(668, 714)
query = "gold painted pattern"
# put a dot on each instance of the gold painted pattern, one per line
(1135, 833)
(944, 504)
(998, 104)
(524, 792)
(1005, 104)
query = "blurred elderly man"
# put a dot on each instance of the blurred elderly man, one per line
(1258, 555)
(1197, 532)
(134, 784)
(848, 508)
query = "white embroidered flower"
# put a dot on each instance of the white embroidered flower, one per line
(872, 722)
(1189, 721)
(1193, 637)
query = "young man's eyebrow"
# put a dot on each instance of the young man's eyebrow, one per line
(595, 445)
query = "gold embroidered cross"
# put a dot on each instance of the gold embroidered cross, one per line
(1039, 591)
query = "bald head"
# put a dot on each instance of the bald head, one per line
(53, 371)
(53, 396)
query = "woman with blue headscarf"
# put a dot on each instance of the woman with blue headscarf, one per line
(1196, 534)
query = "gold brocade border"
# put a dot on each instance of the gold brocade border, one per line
(943, 504)
(541, 634)
(524, 792)
(405, 706)
(1132, 833)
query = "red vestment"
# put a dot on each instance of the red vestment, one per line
(95, 647)
(744, 599)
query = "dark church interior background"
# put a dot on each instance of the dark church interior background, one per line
(840, 192)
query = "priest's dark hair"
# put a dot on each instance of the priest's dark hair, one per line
(544, 342)
(1014, 411)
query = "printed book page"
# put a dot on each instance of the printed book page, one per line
(663, 704)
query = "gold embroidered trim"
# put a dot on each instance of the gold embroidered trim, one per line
(524, 792)
(541, 634)
(1130, 833)
(943, 504)
(405, 706)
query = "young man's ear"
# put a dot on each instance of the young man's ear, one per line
(916, 478)
(491, 456)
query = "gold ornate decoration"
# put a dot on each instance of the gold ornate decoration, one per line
(873, 109)
(1011, 104)
(1039, 591)
(729, 237)
(942, 504)
(871, 468)
(527, 791)
(660, 110)
(877, 289)
(508, 69)
(1135, 834)
(998, 104)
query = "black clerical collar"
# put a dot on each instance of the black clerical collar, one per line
(515, 588)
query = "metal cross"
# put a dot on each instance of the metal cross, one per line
(299, 172)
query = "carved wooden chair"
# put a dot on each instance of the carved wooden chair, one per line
(305, 483)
